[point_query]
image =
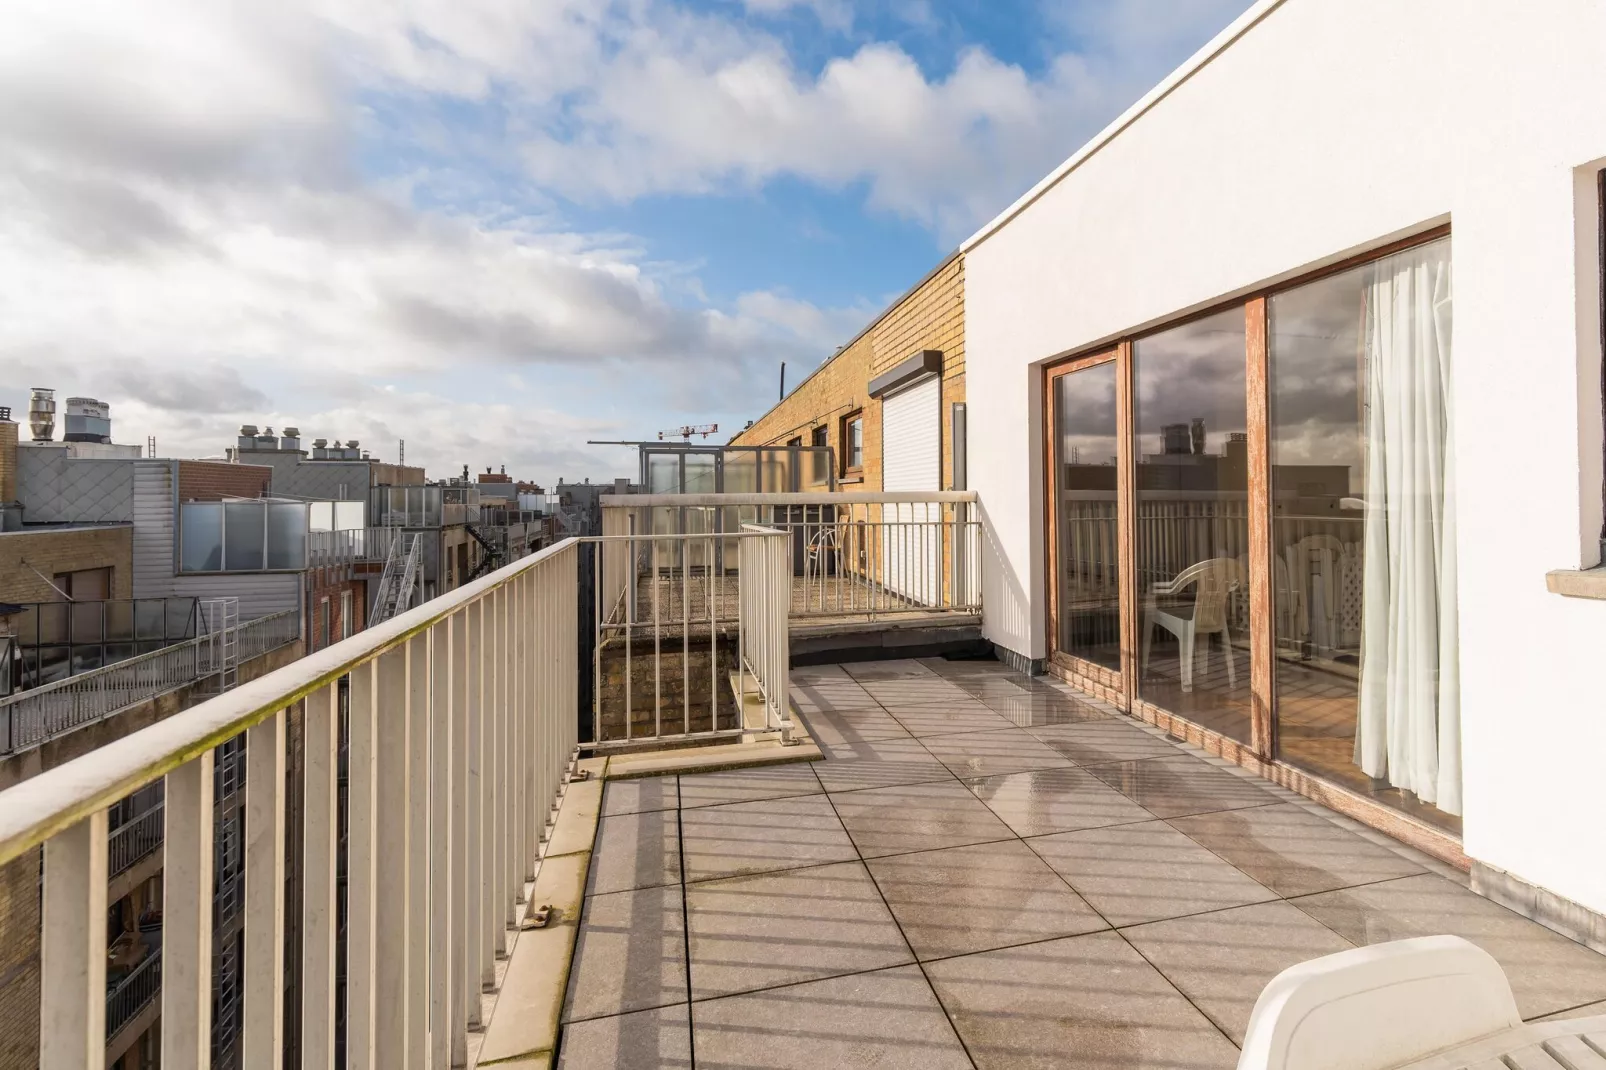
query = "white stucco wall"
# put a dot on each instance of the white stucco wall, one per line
(1325, 128)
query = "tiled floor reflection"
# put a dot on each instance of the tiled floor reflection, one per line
(986, 870)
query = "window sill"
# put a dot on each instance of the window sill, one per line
(1578, 583)
(845, 480)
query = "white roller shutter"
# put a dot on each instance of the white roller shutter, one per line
(911, 459)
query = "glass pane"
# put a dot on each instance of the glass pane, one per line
(287, 535)
(1085, 459)
(119, 619)
(348, 516)
(200, 536)
(663, 473)
(1362, 525)
(321, 516)
(1191, 431)
(243, 536)
(150, 619)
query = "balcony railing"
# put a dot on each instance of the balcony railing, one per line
(32, 717)
(127, 844)
(463, 722)
(851, 555)
(133, 993)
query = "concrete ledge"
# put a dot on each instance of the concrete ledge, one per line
(1578, 583)
(523, 1030)
(714, 759)
(1570, 919)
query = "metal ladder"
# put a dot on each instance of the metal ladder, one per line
(221, 618)
(397, 582)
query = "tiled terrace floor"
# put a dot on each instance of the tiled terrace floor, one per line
(991, 871)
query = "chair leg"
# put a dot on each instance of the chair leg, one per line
(1148, 640)
(1226, 652)
(1185, 643)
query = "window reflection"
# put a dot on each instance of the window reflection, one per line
(1085, 452)
(1192, 446)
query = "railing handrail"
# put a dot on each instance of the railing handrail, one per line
(59, 798)
(80, 679)
(881, 497)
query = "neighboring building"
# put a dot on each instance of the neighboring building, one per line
(338, 472)
(1338, 576)
(887, 404)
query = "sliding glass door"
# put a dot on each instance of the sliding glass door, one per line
(1191, 443)
(1252, 528)
(1087, 545)
(1363, 531)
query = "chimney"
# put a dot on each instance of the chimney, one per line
(8, 457)
(42, 413)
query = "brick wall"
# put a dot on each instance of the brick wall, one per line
(56, 550)
(8, 461)
(19, 963)
(932, 316)
(315, 611)
(210, 481)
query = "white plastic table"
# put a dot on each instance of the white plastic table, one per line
(1572, 1044)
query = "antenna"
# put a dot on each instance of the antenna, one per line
(401, 451)
(150, 445)
(783, 382)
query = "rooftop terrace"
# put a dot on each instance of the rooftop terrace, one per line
(988, 870)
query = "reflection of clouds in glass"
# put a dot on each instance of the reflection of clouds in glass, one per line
(1084, 414)
(1316, 373)
(1193, 371)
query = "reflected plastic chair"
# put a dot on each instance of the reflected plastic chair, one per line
(1378, 1007)
(1216, 580)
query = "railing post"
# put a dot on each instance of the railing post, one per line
(362, 854)
(320, 910)
(416, 1045)
(72, 982)
(497, 816)
(263, 1039)
(187, 916)
(462, 939)
(443, 1016)
(392, 813)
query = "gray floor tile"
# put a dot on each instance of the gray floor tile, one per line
(1146, 872)
(772, 929)
(1222, 960)
(1040, 801)
(1292, 851)
(942, 719)
(645, 1040)
(755, 837)
(1085, 1001)
(977, 754)
(1547, 971)
(1589, 1010)
(639, 795)
(966, 899)
(1102, 742)
(898, 669)
(852, 726)
(912, 693)
(748, 785)
(916, 817)
(813, 673)
(1182, 785)
(635, 851)
(1034, 711)
(831, 696)
(878, 764)
(630, 956)
(888, 1019)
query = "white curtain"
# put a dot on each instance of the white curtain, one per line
(1409, 728)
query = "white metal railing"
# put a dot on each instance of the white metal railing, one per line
(677, 643)
(33, 716)
(462, 727)
(332, 549)
(852, 554)
(133, 840)
(134, 992)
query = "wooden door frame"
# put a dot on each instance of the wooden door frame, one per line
(1109, 684)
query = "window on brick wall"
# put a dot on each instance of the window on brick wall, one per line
(819, 438)
(853, 443)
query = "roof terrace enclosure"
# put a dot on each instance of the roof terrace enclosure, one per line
(1236, 473)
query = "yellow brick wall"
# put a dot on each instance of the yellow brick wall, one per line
(931, 317)
(55, 550)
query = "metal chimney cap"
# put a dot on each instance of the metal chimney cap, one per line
(292, 432)
(320, 443)
(249, 430)
(351, 443)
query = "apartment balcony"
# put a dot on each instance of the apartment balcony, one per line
(977, 868)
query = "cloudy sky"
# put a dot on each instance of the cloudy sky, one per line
(499, 228)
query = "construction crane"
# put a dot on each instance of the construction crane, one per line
(687, 431)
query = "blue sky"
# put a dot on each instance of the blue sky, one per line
(498, 228)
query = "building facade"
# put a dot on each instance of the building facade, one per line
(908, 366)
(1289, 401)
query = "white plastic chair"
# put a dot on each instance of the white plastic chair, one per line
(1378, 1007)
(1216, 580)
